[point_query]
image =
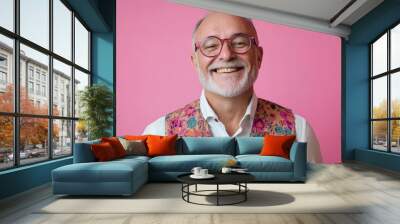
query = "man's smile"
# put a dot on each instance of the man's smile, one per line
(226, 69)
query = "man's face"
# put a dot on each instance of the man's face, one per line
(228, 74)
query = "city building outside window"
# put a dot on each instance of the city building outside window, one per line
(43, 90)
(30, 72)
(3, 78)
(30, 87)
(3, 60)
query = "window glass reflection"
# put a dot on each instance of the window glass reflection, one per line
(6, 74)
(34, 21)
(379, 98)
(379, 56)
(7, 14)
(34, 144)
(6, 142)
(81, 45)
(379, 135)
(62, 29)
(34, 78)
(62, 89)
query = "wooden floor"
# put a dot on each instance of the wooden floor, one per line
(378, 188)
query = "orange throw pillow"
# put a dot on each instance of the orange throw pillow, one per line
(116, 145)
(103, 151)
(277, 145)
(161, 145)
(136, 137)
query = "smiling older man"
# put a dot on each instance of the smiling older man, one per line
(227, 58)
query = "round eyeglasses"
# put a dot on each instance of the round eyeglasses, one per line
(212, 46)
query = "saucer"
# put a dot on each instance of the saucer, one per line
(208, 176)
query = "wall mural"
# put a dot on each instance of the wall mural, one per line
(186, 71)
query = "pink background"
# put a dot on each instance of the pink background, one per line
(301, 70)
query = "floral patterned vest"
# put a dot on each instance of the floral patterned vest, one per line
(270, 118)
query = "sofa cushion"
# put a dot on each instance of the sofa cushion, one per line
(257, 163)
(161, 145)
(249, 145)
(185, 163)
(134, 147)
(277, 145)
(103, 152)
(206, 145)
(116, 145)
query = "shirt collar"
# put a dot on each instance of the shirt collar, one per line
(208, 112)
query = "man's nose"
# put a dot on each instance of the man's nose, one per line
(226, 52)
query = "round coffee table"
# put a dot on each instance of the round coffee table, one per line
(238, 179)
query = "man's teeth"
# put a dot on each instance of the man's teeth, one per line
(225, 70)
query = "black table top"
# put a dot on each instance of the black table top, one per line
(220, 178)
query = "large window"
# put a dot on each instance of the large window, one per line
(44, 65)
(385, 91)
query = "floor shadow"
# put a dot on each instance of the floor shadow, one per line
(314, 154)
(148, 191)
(255, 198)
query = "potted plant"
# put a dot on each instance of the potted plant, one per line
(96, 102)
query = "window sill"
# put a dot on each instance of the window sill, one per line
(378, 158)
(26, 167)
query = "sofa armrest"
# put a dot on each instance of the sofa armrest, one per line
(298, 155)
(83, 152)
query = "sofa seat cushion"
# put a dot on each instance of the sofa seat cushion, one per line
(257, 163)
(112, 171)
(185, 163)
(205, 145)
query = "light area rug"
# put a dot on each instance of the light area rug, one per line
(167, 198)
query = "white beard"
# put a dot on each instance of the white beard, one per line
(233, 89)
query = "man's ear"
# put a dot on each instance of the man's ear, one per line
(260, 56)
(193, 59)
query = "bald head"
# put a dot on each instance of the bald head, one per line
(232, 71)
(218, 18)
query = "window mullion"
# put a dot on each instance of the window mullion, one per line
(50, 79)
(370, 98)
(389, 114)
(16, 84)
(73, 82)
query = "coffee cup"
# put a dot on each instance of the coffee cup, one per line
(203, 172)
(196, 171)
(226, 170)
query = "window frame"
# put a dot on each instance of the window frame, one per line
(16, 115)
(388, 74)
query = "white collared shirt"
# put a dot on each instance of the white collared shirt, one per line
(217, 127)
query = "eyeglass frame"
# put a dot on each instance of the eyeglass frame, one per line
(252, 41)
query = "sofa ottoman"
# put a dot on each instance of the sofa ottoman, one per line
(118, 177)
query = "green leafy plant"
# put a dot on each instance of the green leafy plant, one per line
(96, 102)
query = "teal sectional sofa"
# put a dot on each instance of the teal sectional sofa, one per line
(125, 176)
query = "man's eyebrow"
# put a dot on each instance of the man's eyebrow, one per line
(235, 34)
(241, 34)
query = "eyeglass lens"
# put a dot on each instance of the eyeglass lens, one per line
(212, 45)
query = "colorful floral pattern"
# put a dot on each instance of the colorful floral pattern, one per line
(270, 118)
(187, 121)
